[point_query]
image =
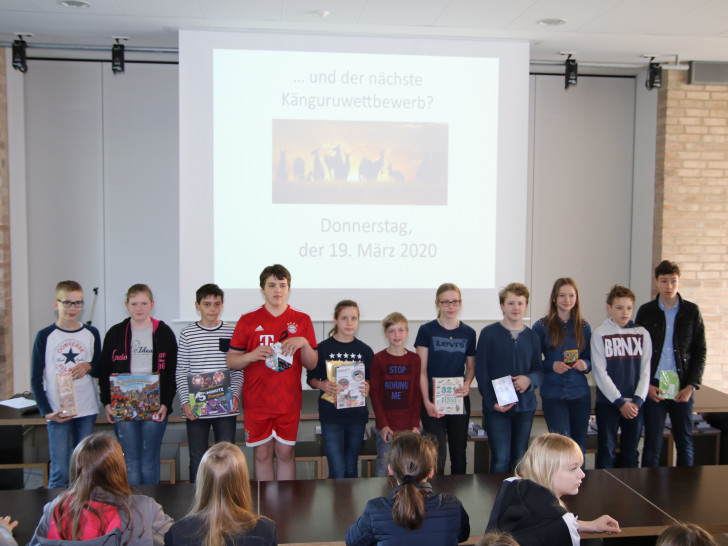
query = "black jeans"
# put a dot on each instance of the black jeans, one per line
(453, 430)
(198, 434)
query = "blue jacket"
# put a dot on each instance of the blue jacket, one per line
(498, 355)
(446, 522)
(572, 384)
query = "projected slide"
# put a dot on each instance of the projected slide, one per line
(363, 163)
(373, 168)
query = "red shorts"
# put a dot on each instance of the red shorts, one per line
(262, 427)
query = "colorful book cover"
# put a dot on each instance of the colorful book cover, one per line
(443, 395)
(210, 393)
(505, 392)
(66, 394)
(571, 356)
(278, 362)
(350, 379)
(669, 384)
(134, 397)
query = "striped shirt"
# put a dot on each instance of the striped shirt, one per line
(204, 350)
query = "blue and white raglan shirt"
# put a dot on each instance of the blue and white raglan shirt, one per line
(56, 350)
(621, 363)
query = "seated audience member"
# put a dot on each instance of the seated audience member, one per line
(99, 503)
(685, 534)
(222, 512)
(529, 505)
(496, 538)
(6, 531)
(412, 514)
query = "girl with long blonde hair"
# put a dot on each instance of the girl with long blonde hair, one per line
(222, 511)
(529, 506)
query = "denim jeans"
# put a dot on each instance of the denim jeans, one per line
(609, 421)
(198, 436)
(450, 431)
(382, 456)
(62, 440)
(508, 434)
(682, 430)
(141, 442)
(568, 417)
(342, 443)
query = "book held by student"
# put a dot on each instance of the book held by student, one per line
(135, 397)
(505, 392)
(350, 379)
(443, 395)
(210, 393)
(669, 384)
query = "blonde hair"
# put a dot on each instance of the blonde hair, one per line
(497, 538)
(545, 456)
(411, 457)
(222, 495)
(97, 465)
(393, 318)
(139, 288)
(445, 287)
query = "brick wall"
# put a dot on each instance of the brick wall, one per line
(6, 331)
(691, 204)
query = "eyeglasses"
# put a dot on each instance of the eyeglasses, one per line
(68, 304)
(448, 303)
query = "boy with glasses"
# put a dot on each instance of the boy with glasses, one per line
(66, 352)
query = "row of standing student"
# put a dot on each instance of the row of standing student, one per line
(445, 347)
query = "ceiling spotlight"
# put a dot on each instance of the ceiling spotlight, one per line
(19, 55)
(551, 22)
(571, 72)
(117, 55)
(654, 75)
(323, 13)
(75, 4)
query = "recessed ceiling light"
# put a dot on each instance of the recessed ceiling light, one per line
(551, 22)
(75, 3)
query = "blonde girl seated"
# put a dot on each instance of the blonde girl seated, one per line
(222, 511)
(98, 506)
(529, 505)
(412, 514)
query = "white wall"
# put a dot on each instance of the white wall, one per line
(100, 155)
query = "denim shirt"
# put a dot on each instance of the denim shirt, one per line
(571, 384)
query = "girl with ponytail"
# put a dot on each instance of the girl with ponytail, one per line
(411, 511)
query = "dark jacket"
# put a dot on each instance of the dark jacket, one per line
(187, 532)
(688, 340)
(530, 513)
(446, 522)
(116, 358)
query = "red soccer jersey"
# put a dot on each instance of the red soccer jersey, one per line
(395, 390)
(263, 388)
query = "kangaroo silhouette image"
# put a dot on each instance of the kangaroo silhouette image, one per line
(318, 173)
(335, 164)
(369, 170)
(397, 176)
(299, 169)
(282, 172)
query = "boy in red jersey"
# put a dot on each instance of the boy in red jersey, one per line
(270, 344)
